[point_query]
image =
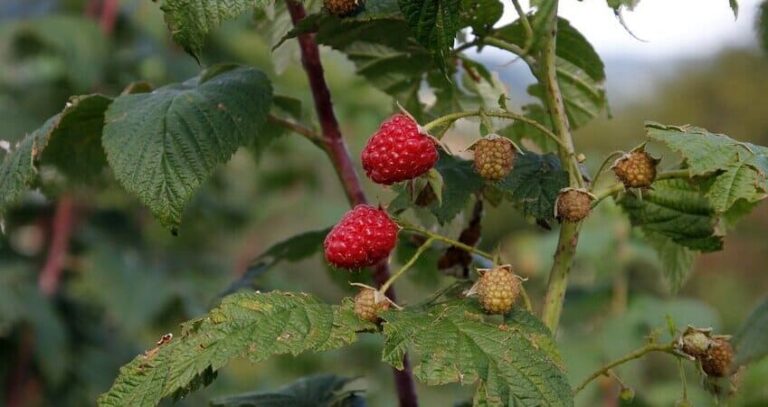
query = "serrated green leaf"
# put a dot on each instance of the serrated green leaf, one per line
(296, 247)
(751, 342)
(190, 21)
(676, 209)
(315, 391)
(460, 181)
(534, 183)
(75, 132)
(734, 170)
(434, 23)
(249, 324)
(452, 343)
(163, 145)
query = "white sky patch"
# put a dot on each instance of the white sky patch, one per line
(672, 28)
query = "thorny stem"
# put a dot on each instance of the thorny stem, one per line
(569, 232)
(444, 239)
(636, 354)
(409, 264)
(337, 152)
(452, 117)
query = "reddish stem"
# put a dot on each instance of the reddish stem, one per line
(61, 231)
(109, 9)
(16, 394)
(337, 151)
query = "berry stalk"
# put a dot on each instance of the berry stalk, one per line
(444, 239)
(409, 264)
(337, 152)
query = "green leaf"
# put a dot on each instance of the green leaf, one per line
(70, 140)
(315, 391)
(249, 324)
(675, 209)
(296, 248)
(395, 64)
(520, 130)
(534, 183)
(676, 260)
(734, 7)
(460, 181)
(481, 15)
(452, 343)
(751, 342)
(434, 23)
(190, 21)
(163, 145)
(618, 4)
(734, 170)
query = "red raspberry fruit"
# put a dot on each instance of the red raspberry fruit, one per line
(362, 238)
(398, 151)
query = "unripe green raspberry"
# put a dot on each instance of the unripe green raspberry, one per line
(498, 289)
(636, 169)
(494, 157)
(369, 303)
(573, 205)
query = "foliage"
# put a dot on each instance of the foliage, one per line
(175, 148)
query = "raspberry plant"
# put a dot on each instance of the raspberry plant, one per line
(162, 144)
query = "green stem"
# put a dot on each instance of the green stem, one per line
(508, 46)
(602, 167)
(526, 26)
(452, 117)
(668, 348)
(407, 265)
(618, 187)
(558, 275)
(447, 240)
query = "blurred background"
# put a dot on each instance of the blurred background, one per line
(70, 318)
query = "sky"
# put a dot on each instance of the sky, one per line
(682, 28)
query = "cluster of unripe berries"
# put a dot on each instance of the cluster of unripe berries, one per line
(713, 352)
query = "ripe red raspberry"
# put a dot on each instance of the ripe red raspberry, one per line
(573, 205)
(716, 361)
(398, 151)
(341, 8)
(636, 169)
(497, 289)
(369, 304)
(494, 157)
(362, 238)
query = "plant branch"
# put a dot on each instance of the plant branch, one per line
(409, 264)
(526, 26)
(297, 128)
(508, 46)
(667, 348)
(569, 232)
(452, 117)
(603, 166)
(444, 239)
(337, 152)
(61, 231)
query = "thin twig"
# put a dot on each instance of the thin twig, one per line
(619, 187)
(409, 264)
(297, 128)
(602, 167)
(526, 27)
(667, 348)
(444, 239)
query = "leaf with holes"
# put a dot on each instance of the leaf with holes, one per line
(452, 343)
(252, 325)
(162, 145)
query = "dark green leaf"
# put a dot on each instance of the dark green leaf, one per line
(481, 15)
(314, 391)
(751, 342)
(452, 343)
(163, 145)
(434, 23)
(534, 183)
(460, 181)
(190, 21)
(250, 324)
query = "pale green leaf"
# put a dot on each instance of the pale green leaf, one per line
(676, 260)
(163, 145)
(452, 343)
(751, 342)
(190, 21)
(250, 324)
(678, 210)
(738, 181)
